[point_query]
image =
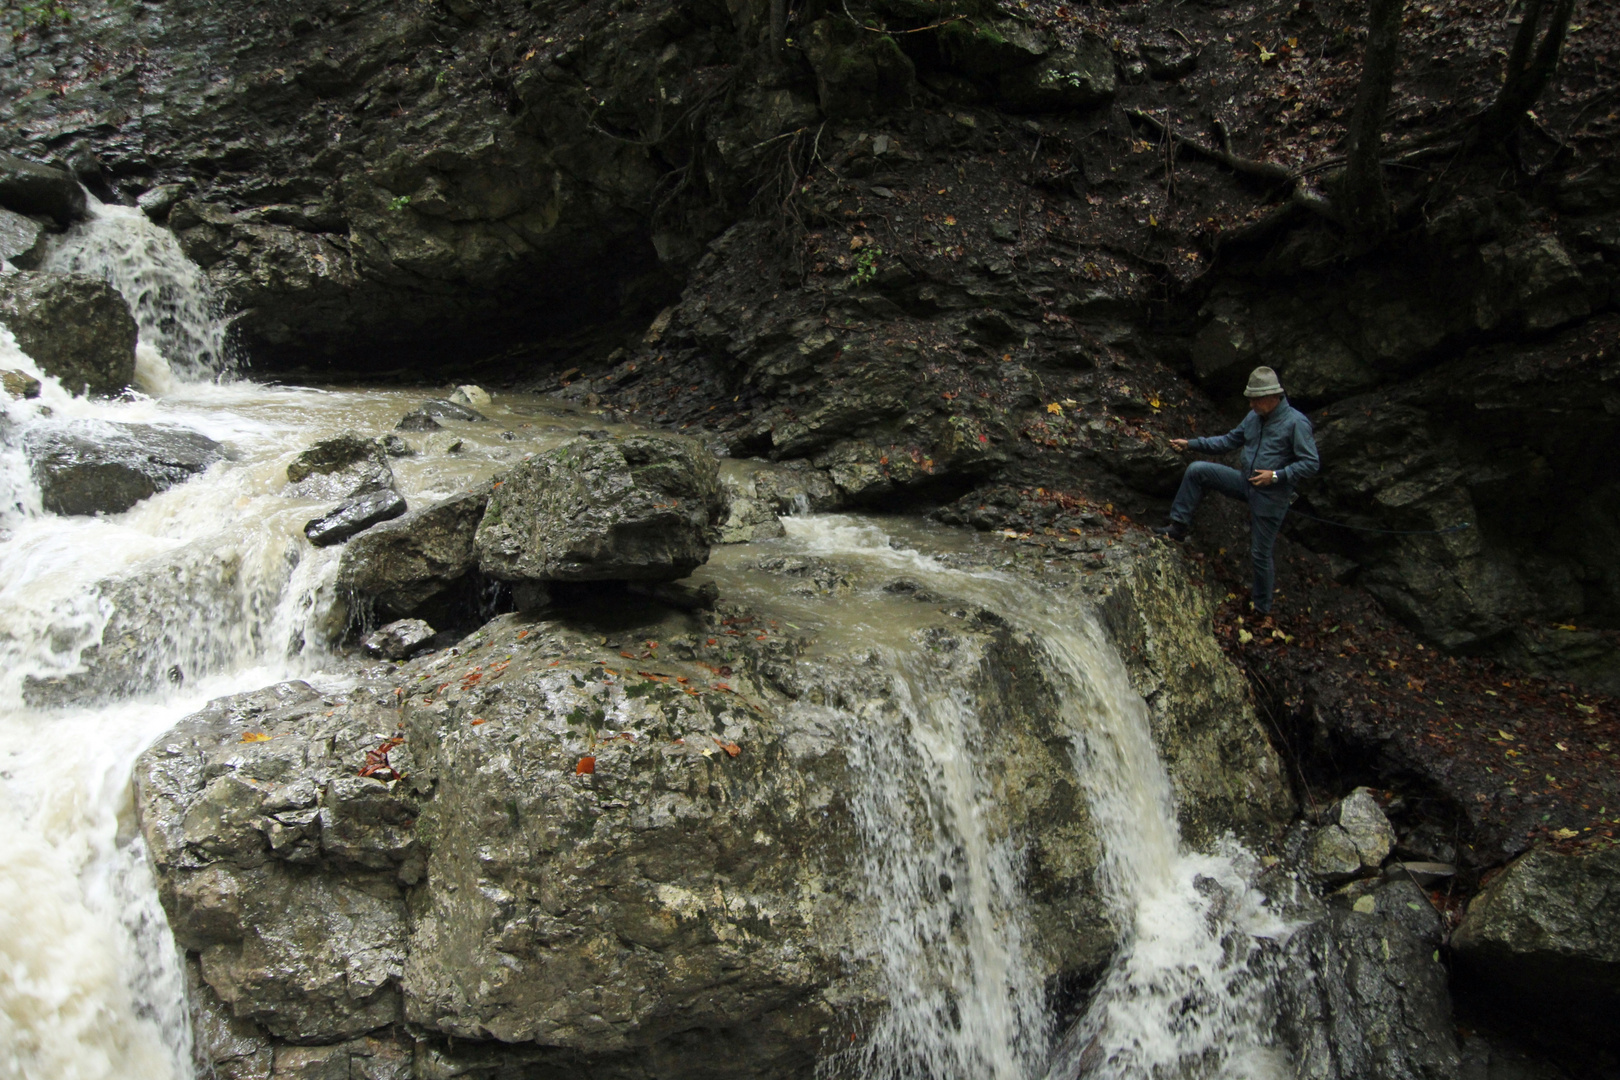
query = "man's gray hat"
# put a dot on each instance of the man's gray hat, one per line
(1262, 383)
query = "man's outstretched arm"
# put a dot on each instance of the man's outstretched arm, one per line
(1215, 444)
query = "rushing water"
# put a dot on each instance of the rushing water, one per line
(90, 982)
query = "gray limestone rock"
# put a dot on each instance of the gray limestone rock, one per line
(344, 467)
(399, 640)
(1363, 993)
(19, 384)
(1542, 940)
(76, 327)
(402, 567)
(642, 508)
(157, 202)
(578, 869)
(1065, 80)
(104, 467)
(31, 188)
(18, 236)
(354, 516)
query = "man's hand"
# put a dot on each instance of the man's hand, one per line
(1263, 478)
(1178, 444)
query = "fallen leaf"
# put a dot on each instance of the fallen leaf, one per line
(255, 736)
(1055, 409)
(477, 720)
(1565, 834)
(731, 748)
(586, 766)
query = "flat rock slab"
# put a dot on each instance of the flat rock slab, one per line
(102, 467)
(426, 416)
(355, 516)
(643, 508)
(75, 326)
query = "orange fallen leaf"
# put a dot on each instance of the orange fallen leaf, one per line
(586, 766)
(712, 641)
(731, 748)
(477, 720)
(523, 633)
(554, 663)
(255, 736)
(627, 655)
(680, 678)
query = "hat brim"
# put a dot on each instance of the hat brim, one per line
(1263, 391)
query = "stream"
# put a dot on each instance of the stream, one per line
(91, 984)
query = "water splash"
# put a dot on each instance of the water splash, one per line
(182, 333)
(1186, 995)
(945, 888)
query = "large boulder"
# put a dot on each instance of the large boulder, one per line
(670, 865)
(413, 564)
(641, 508)
(1065, 80)
(1542, 941)
(104, 467)
(1362, 992)
(31, 188)
(76, 327)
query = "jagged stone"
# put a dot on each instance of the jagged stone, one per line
(641, 508)
(74, 326)
(354, 516)
(1068, 79)
(104, 467)
(409, 565)
(19, 384)
(341, 467)
(1363, 993)
(399, 640)
(31, 188)
(19, 236)
(1541, 941)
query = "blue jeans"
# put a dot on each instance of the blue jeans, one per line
(1266, 513)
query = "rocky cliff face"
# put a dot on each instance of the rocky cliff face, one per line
(580, 849)
(926, 254)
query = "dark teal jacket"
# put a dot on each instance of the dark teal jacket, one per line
(1282, 441)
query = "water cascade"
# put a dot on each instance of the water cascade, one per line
(92, 983)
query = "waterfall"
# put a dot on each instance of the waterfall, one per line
(1185, 995)
(182, 336)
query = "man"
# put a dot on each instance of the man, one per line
(1278, 451)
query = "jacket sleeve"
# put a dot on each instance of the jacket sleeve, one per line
(1307, 462)
(1220, 444)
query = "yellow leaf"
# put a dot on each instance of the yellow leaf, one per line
(1244, 637)
(1565, 834)
(1565, 626)
(1504, 734)
(1055, 409)
(255, 736)
(1154, 403)
(1153, 221)
(1266, 55)
(949, 220)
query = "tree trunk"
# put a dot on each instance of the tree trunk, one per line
(1529, 68)
(1366, 203)
(778, 27)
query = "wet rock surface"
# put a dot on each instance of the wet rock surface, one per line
(399, 640)
(74, 326)
(28, 187)
(104, 467)
(354, 516)
(640, 508)
(1364, 993)
(648, 852)
(417, 563)
(1541, 940)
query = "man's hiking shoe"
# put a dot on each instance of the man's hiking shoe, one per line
(1174, 531)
